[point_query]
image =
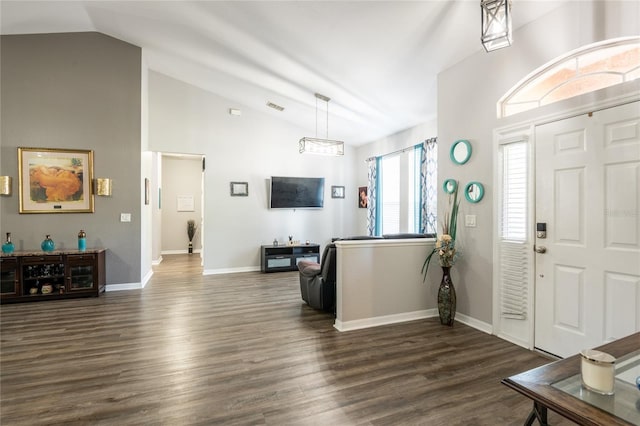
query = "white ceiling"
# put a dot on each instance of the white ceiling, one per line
(377, 60)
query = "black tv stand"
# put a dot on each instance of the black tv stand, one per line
(286, 257)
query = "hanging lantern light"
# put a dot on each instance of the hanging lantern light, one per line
(496, 24)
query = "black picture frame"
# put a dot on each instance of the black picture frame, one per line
(239, 189)
(337, 191)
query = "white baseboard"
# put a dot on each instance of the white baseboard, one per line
(511, 339)
(146, 278)
(125, 286)
(141, 285)
(474, 323)
(179, 251)
(130, 286)
(157, 261)
(409, 316)
(384, 320)
(230, 270)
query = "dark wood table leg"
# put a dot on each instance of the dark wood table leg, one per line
(539, 413)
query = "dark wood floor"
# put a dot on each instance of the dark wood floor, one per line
(243, 349)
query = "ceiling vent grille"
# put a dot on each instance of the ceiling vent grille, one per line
(275, 106)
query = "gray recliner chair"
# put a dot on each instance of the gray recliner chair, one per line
(318, 280)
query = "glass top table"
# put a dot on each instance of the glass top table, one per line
(557, 386)
(625, 401)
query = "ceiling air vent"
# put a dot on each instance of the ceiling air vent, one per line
(275, 106)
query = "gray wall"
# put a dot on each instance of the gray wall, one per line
(467, 96)
(78, 91)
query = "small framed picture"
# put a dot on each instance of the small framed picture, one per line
(146, 191)
(337, 192)
(185, 203)
(363, 197)
(239, 189)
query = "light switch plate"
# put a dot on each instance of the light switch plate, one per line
(125, 217)
(470, 220)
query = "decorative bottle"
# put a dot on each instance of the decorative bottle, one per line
(48, 244)
(82, 240)
(8, 246)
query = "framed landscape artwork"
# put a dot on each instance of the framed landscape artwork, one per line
(55, 180)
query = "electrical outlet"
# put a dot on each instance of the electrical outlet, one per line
(470, 220)
(125, 217)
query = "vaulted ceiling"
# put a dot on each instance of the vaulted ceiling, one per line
(378, 61)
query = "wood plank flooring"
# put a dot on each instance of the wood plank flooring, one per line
(243, 349)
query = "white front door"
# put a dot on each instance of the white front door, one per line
(587, 288)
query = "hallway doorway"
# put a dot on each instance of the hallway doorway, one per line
(180, 186)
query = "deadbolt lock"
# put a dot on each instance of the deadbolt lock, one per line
(541, 230)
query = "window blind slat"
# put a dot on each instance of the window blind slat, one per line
(514, 271)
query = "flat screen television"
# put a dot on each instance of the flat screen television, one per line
(296, 193)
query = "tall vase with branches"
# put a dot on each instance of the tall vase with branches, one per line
(445, 248)
(191, 232)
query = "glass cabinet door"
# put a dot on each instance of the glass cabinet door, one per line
(81, 273)
(9, 282)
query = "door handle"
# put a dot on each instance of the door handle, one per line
(540, 249)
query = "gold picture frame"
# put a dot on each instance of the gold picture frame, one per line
(55, 180)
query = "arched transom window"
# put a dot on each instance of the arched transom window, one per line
(589, 68)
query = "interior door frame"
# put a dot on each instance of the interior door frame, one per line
(524, 126)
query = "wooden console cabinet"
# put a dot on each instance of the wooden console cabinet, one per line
(286, 258)
(34, 276)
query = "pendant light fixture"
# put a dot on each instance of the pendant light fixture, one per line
(317, 145)
(496, 24)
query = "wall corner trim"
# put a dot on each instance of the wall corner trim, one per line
(474, 323)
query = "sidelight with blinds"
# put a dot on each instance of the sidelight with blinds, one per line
(513, 247)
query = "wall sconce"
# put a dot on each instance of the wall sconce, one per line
(5, 185)
(103, 187)
(496, 24)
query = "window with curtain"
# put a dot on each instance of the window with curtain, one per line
(402, 191)
(390, 188)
